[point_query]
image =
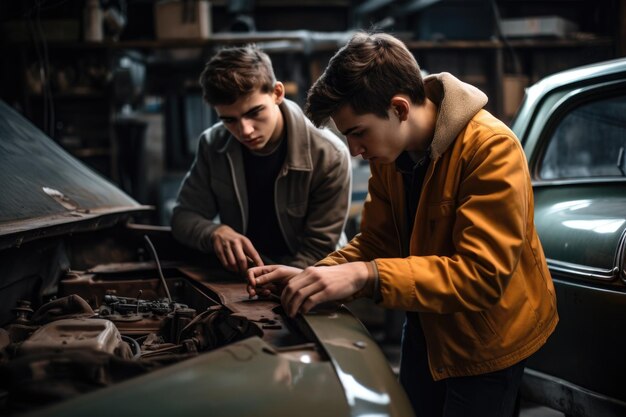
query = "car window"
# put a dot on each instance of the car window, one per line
(587, 142)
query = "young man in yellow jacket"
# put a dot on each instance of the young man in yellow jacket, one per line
(447, 232)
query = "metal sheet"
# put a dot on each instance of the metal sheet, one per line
(39, 180)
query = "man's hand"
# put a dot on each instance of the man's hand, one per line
(314, 285)
(234, 249)
(274, 277)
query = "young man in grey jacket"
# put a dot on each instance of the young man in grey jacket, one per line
(280, 186)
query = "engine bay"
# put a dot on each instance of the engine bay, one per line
(119, 320)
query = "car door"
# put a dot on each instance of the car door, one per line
(576, 150)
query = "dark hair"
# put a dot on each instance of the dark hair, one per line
(236, 72)
(366, 73)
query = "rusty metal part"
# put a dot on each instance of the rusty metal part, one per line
(23, 312)
(96, 287)
(233, 295)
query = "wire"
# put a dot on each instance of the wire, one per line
(156, 258)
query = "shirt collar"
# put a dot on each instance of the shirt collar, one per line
(407, 163)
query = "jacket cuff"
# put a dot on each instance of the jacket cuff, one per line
(371, 289)
(377, 296)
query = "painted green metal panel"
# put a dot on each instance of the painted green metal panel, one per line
(243, 379)
(367, 378)
(581, 224)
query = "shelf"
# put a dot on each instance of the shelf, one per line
(317, 38)
(308, 41)
(517, 43)
(70, 95)
(560, 43)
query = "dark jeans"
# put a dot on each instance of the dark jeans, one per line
(486, 395)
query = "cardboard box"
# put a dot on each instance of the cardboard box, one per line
(183, 19)
(513, 89)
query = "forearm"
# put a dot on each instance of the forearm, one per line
(371, 288)
(194, 230)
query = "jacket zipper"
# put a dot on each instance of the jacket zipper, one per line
(282, 174)
(244, 219)
(425, 184)
(429, 175)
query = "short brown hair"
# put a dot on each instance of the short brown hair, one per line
(236, 72)
(366, 73)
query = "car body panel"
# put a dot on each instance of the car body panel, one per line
(562, 395)
(586, 348)
(355, 356)
(243, 379)
(582, 226)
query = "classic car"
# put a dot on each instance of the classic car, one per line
(573, 129)
(103, 316)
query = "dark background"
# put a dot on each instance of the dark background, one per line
(129, 104)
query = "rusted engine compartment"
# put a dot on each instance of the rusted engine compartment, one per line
(113, 321)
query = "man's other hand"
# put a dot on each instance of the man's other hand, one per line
(263, 280)
(234, 250)
(313, 285)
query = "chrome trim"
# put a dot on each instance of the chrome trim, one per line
(538, 182)
(621, 257)
(583, 271)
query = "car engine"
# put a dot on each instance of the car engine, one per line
(115, 321)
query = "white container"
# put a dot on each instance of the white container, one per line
(93, 22)
(545, 26)
(176, 19)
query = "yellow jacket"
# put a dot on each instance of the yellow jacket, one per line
(472, 266)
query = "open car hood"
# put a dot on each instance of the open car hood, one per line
(45, 190)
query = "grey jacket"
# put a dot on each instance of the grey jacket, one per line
(312, 191)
